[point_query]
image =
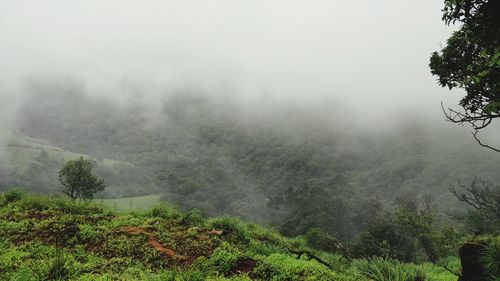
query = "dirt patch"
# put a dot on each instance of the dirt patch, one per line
(243, 266)
(135, 230)
(164, 252)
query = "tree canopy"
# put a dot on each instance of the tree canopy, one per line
(78, 181)
(471, 61)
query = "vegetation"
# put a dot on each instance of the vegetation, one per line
(481, 195)
(471, 61)
(483, 199)
(78, 181)
(374, 206)
(304, 184)
(291, 175)
(59, 239)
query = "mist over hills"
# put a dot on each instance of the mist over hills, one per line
(249, 140)
(290, 166)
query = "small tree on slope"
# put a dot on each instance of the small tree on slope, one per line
(78, 181)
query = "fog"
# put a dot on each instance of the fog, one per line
(341, 92)
(363, 62)
(318, 119)
(370, 57)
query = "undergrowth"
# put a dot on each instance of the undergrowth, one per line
(45, 238)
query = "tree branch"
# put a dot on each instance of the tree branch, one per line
(474, 134)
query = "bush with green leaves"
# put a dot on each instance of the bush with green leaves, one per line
(192, 217)
(385, 238)
(13, 195)
(165, 211)
(279, 267)
(319, 239)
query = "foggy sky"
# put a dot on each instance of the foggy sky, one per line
(370, 57)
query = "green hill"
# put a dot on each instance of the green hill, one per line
(34, 164)
(45, 238)
(24, 151)
(287, 168)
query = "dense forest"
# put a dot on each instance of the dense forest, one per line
(288, 169)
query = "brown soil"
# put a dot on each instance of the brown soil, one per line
(164, 252)
(243, 266)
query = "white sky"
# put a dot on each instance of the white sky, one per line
(371, 56)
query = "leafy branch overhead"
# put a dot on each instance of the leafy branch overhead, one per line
(471, 61)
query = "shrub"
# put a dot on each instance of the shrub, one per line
(232, 229)
(384, 238)
(165, 212)
(319, 239)
(283, 267)
(13, 195)
(192, 217)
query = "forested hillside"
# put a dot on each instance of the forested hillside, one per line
(291, 168)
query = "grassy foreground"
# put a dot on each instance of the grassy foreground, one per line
(45, 238)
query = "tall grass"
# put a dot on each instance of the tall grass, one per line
(490, 259)
(56, 269)
(378, 269)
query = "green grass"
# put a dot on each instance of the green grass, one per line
(44, 238)
(139, 203)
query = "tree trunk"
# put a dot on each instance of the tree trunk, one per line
(469, 258)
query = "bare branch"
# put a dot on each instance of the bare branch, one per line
(474, 134)
(478, 121)
(479, 195)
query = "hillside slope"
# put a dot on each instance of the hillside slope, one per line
(24, 151)
(34, 164)
(45, 238)
(287, 168)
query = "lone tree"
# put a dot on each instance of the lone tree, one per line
(78, 181)
(471, 61)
